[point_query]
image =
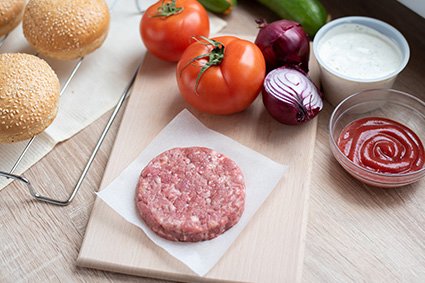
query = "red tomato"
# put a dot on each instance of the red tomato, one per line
(227, 87)
(168, 36)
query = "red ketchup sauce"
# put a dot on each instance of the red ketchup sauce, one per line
(382, 145)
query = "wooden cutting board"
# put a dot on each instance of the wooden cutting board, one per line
(270, 249)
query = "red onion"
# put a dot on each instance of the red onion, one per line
(290, 96)
(283, 43)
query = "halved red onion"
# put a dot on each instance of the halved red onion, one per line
(290, 96)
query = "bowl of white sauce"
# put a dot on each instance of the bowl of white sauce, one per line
(358, 53)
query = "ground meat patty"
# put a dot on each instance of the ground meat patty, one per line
(191, 194)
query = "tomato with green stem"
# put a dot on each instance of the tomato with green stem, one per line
(222, 75)
(167, 28)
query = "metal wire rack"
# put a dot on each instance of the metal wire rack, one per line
(26, 182)
(3, 39)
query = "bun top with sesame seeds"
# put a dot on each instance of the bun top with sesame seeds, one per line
(10, 14)
(66, 29)
(29, 96)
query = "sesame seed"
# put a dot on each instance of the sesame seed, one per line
(30, 92)
(10, 14)
(72, 26)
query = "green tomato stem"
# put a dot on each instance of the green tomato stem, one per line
(168, 9)
(215, 57)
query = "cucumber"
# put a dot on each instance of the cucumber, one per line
(219, 6)
(311, 14)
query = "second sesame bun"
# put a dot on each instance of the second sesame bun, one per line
(11, 12)
(29, 96)
(66, 29)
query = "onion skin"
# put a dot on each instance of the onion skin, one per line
(290, 96)
(283, 43)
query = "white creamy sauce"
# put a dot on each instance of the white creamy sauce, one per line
(359, 52)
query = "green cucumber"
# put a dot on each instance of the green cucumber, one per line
(309, 13)
(218, 6)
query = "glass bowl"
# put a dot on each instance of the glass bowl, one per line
(387, 103)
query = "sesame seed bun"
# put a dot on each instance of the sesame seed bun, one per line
(66, 29)
(11, 12)
(29, 96)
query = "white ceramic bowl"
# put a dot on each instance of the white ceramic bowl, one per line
(338, 86)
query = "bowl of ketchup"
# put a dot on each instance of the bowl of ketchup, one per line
(378, 136)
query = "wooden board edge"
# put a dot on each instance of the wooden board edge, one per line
(307, 187)
(85, 262)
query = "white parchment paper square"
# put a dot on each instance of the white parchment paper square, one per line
(261, 176)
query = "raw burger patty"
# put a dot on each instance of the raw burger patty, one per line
(191, 194)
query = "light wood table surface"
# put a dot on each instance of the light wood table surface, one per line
(354, 233)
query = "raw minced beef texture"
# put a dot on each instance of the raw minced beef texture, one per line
(190, 194)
